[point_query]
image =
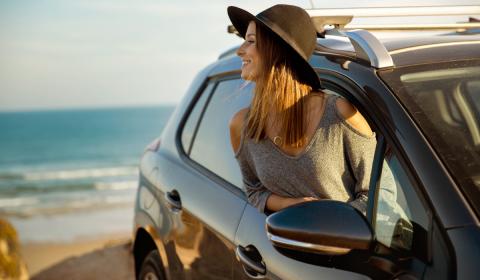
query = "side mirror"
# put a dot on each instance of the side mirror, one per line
(324, 227)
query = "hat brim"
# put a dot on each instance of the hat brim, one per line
(240, 20)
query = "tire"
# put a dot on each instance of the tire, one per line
(151, 268)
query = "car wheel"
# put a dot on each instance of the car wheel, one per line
(151, 268)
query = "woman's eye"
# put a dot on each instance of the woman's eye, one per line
(251, 41)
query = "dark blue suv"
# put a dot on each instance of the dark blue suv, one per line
(422, 98)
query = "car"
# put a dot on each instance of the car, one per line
(421, 96)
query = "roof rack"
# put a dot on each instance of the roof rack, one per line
(323, 17)
(367, 47)
(466, 10)
(461, 27)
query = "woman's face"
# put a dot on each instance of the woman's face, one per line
(249, 54)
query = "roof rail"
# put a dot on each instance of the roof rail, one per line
(369, 48)
(403, 27)
(466, 10)
(338, 17)
(366, 46)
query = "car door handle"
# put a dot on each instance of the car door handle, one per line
(251, 261)
(173, 200)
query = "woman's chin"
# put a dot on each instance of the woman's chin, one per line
(247, 77)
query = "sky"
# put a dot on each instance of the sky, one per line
(57, 54)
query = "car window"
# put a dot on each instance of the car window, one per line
(211, 146)
(443, 99)
(400, 217)
(192, 121)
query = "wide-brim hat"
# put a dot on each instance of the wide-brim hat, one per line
(292, 25)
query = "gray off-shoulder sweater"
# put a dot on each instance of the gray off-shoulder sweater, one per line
(336, 164)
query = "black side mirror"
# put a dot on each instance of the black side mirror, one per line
(324, 227)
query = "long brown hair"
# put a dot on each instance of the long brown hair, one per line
(279, 91)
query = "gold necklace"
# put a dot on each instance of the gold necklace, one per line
(277, 140)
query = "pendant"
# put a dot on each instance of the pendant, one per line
(277, 140)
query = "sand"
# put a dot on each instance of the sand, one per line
(106, 258)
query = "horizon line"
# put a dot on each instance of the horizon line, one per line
(80, 108)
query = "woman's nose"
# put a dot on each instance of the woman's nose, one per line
(241, 50)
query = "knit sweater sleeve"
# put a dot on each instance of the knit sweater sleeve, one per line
(359, 151)
(256, 192)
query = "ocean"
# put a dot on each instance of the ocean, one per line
(66, 174)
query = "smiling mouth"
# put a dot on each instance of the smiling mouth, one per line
(245, 62)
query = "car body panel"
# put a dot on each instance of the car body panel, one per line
(466, 242)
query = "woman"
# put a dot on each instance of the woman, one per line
(294, 143)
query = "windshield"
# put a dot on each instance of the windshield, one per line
(444, 100)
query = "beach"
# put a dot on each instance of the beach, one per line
(77, 245)
(68, 182)
(90, 259)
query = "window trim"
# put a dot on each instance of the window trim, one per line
(186, 115)
(202, 112)
(373, 189)
(236, 190)
(200, 116)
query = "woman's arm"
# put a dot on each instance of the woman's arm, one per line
(257, 194)
(360, 146)
(276, 202)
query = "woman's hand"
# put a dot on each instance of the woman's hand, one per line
(297, 200)
(276, 202)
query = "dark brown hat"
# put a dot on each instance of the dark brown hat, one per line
(292, 24)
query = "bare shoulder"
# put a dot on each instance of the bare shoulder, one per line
(236, 125)
(353, 117)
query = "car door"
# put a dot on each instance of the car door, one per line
(210, 204)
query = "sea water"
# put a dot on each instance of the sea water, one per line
(71, 173)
